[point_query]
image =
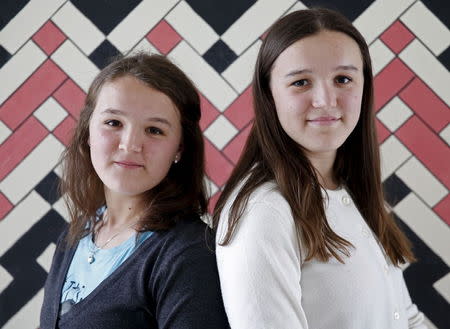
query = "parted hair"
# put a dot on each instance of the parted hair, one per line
(271, 155)
(180, 194)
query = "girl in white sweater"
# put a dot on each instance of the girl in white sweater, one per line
(304, 239)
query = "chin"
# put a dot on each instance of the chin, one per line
(332, 145)
(323, 149)
(132, 192)
(128, 191)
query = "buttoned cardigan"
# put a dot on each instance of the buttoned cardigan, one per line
(267, 284)
(169, 282)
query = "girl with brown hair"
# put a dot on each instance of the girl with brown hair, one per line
(304, 239)
(135, 254)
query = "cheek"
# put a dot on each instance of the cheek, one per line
(291, 110)
(352, 104)
(101, 142)
(357, 98)
(164, 150)
(286, 101)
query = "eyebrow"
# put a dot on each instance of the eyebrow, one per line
(297, 72)
(337, 68)
(346, 67)
(153, 119)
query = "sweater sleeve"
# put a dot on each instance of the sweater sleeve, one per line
(260, 270)
(51, 301)
(188, 290)
(415, 317)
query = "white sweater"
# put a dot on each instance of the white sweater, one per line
(266, 284)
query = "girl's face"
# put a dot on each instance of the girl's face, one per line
(317, 85)
(134, 136)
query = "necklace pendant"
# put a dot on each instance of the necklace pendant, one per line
(91, 259)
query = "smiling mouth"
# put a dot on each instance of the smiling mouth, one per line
(324, 121)
(128, 165)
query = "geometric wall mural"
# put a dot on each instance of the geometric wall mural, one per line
(50, 50)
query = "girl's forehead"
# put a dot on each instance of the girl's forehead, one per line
(128, 94)
(326, 48)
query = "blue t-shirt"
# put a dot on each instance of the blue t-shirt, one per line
(83, 277)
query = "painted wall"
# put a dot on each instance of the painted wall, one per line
(50, 50)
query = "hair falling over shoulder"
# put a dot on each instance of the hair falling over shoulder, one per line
(181, 193)
(271, 155)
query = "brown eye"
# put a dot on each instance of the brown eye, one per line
(301, 83)
(113, 123)
(154, 131)
(343, 79)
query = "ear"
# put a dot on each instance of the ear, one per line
(180, 150)
(178, 155)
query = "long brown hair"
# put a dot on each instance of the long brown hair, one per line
(271, 155)
(181, 193)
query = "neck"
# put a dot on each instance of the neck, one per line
(122, 210)
(323, 164)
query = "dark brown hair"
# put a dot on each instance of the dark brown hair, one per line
(271, 155)
(181, 193)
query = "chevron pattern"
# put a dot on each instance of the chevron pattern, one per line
(50, 50)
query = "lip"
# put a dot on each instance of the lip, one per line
(128, 164)
(324, 120)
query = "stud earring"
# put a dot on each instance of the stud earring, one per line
(177, 158)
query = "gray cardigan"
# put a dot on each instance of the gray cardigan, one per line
(169, 282)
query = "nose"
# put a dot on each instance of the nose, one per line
(324, 96)
(131, 141)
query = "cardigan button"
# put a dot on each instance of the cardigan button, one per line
(396, 315)
(346, 200)
(365, 232)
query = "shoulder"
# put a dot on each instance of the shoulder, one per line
(189, 231)
(265, 233)
(267, 195)
(186, 238)
(182, 251)
(266, 212)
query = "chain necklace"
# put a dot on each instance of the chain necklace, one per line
(92, 253)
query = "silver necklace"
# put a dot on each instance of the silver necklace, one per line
(92, 253)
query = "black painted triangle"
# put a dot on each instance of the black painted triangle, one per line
(105, 14)
(220, 15)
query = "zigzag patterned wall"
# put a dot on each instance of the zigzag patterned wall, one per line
(50, 50)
